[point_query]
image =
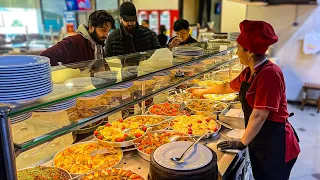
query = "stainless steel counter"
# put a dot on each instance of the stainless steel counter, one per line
(226, 161)
(134, 162)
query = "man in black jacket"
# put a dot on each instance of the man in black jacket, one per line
(131, 37)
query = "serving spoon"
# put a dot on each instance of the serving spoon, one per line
(180, 159)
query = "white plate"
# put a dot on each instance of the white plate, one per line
(25, 98)
(85, 81)
(24, 69)
(61, 108)
(198, 157)
(146, 78)
(9, 93)
(122, 86)
(16, 62)
(37, 73)
(65, 103)
(25, 87)
(25, 78)
(97, 93)
(21, 117)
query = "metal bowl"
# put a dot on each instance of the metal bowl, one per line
(207, 113)
(131, 142)
(88, 142)
(210, 135)
(162, 115)
(146, 156)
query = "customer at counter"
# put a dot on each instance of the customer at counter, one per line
(87, 44)
(272, 141)
(145, 23)
(181, 27)
(131, 37)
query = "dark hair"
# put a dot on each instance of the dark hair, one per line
(162, 29)
(146, 21)
(257, 56)
(99, 18)
(180, 24)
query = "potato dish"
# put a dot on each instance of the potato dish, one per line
(153, 140)
(113, 174)
(195, 125)
(220, 97)
(43, 173)
(112, 132)
(76, 159)
(206, 105)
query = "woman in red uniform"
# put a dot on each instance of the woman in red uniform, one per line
(272, 141)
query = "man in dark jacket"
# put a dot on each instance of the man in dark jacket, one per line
(86, 45)
(181, 27)
(131, 37)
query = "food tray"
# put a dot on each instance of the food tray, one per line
(228, 97)
(236, 122)
(87, 142)
(123, 172)
(197, 112)
(146, 156)
(64, 172)
(130, 142)
(210, 135)
(87, 129)
(149, 110)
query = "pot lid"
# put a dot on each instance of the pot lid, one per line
(198, 157)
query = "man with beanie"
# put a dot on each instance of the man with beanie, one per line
(86, 45)
(131, 37)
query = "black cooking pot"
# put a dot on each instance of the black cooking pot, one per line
(208, 172)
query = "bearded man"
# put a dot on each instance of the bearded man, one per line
(130, 37)
(87, 44)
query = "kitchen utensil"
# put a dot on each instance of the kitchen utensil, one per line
(180, 159)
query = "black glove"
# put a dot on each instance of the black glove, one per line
(231, 145)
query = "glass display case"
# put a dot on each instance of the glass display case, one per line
(91, 94)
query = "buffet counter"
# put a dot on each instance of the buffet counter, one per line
(227, 162)
(100, 104)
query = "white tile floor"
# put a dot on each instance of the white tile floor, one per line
(307, 125)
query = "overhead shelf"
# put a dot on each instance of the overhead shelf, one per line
(250, 3)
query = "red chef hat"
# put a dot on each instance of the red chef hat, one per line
(256, 36)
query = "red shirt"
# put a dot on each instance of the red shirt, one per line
(268, 92)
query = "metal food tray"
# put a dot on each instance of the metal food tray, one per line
(130, 142)
(205, 112)
(86, 142)
(236, 122)
(210, 135)
(147, 156)
(66, 173)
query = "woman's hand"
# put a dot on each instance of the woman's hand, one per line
(199, 92)
(231, 145)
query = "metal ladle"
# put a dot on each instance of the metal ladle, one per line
(180, 159)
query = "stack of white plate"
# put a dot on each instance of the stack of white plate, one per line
(233, 36)
(24, 78)
(162, 73)
(146, 78)
(95, 94)
(121, 86)
(187, 51)
(20, 118)
(59, 107)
